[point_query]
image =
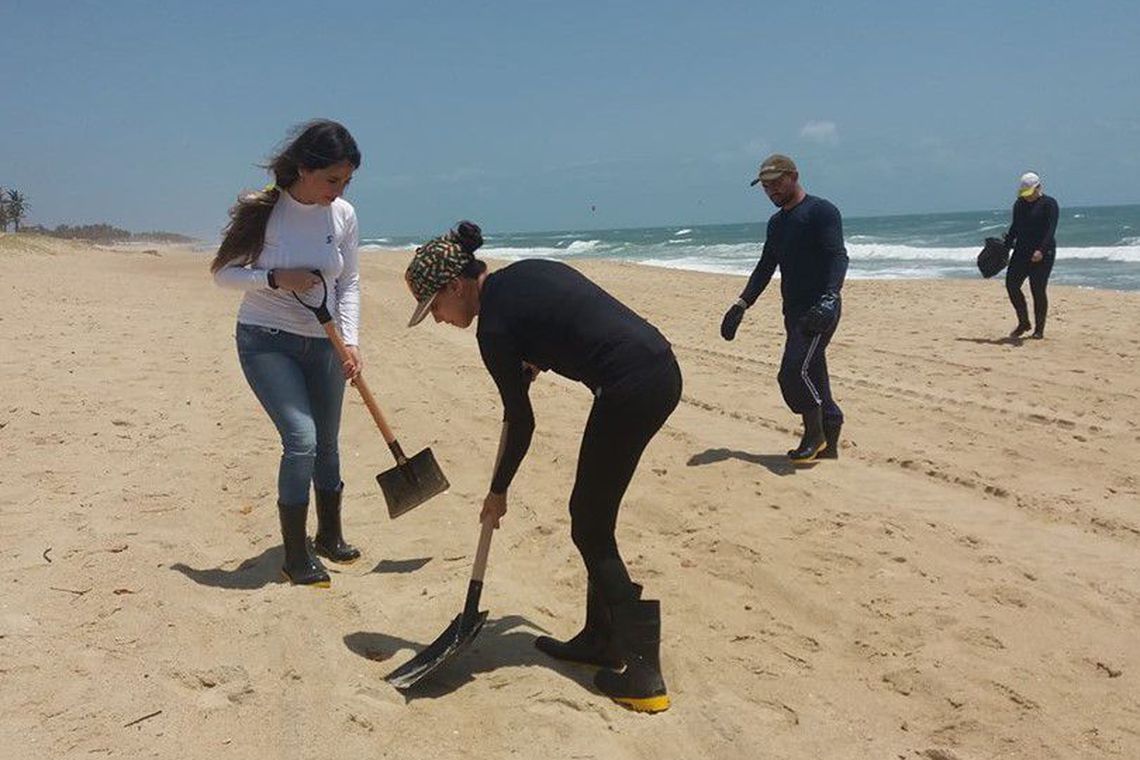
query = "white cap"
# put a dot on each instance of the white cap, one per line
(1027, 184)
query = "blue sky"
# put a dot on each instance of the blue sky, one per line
(523, 115)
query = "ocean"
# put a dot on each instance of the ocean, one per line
(1097, 246)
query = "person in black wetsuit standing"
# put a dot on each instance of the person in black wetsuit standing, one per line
(537, 315)
(1034, 251)
(805, 240)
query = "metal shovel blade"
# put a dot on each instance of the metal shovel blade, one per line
(455, 639)
(409, 485)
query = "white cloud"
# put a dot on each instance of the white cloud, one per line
(823, 132)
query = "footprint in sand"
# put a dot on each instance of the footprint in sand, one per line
(217, 687)
(773, 714)
(981, 637)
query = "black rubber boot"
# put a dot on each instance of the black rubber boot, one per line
(831, 435)
(594, 644)
(813, 441)
(329, 541)
(301, 567)
(1021, 329)
(637, 630)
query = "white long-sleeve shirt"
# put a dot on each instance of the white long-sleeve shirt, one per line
(303, 236)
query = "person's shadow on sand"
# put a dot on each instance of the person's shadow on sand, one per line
(777, 464)
(255, 572)
(265, 568)
(498, 645)
(1008, 340)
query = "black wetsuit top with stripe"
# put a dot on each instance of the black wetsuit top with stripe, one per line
(550, 315)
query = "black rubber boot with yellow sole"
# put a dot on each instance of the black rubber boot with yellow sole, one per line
(594, 644)
(301, 568)
(831, 435)
(813, 440)
(637, 630)
(329, 541)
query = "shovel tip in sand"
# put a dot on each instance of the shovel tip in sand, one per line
(451, 642)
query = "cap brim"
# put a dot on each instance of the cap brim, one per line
(754, 182)
(1025, 192)
(767, 177)
(422, 309)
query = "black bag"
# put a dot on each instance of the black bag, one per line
(994, 257)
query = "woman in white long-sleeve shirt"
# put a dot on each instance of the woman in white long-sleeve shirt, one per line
(275, 240)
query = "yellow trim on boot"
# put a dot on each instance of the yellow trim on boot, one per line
(812, 458)
(656, 704)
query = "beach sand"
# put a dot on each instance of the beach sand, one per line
(963, 583)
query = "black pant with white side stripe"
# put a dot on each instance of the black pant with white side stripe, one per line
(803, 372)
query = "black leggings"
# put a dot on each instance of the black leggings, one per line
(1021, 267)
(621, 425)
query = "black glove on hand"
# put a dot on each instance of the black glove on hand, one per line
(731, 321)
(821, 317)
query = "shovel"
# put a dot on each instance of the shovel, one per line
(463, 629)
(466, 626)
(412, 481)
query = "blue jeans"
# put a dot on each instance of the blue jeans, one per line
(300, 383)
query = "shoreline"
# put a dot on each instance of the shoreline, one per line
(852, 273)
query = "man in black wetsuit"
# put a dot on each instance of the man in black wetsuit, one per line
(1034, 251)
(538, 315)
(805, 240)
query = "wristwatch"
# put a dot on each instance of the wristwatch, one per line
(272, 278)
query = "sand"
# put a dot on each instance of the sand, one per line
(963, 583)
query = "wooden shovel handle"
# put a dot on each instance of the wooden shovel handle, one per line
(484, 549)
(358, 381)
(488, 524)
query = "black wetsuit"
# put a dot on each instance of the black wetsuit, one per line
(550, 315)
(1033, 228)
(806, 243)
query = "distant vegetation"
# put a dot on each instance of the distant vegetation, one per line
(14, 207)
(99, 233)
(105, 233)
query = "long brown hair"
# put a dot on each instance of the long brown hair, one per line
(318, 144)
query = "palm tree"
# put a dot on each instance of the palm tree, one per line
(17, 207)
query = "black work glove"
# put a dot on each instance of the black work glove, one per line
(821, 317)
(731, 321)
